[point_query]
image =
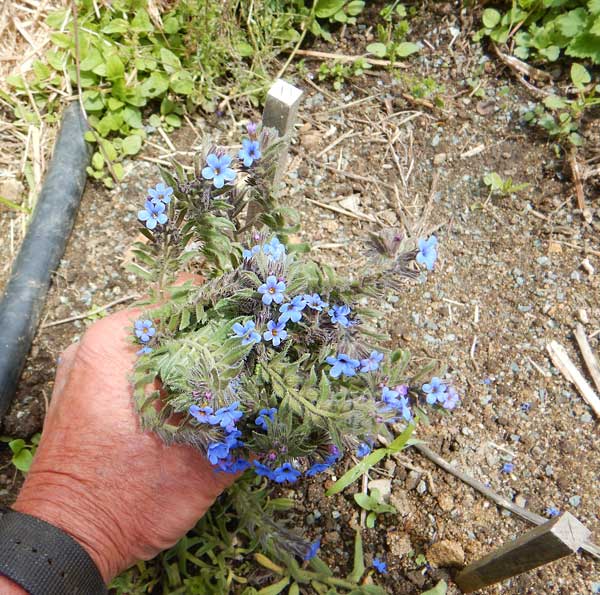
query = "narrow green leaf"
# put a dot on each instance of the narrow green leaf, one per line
(359, 560)
(353, 474)
(275, 588)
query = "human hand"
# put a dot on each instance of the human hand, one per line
(121, 493)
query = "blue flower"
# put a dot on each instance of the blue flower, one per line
(275, 332)
(153, 214)
(231, 465)
(371, 363)
(451, 399)
(275, 249)
(201, 414)
(313, 548)
(363, 450)
(314, 302)
(246, 332)
(218, 170)
(507, 468)
(262, 470)
(380, 566)
(232, 438)
(272, 290)
(339, 315)
(427, 254)
(292, 310)
(145, 350)
(551, 511)
(251, 128)
(263, 415)
(249, 152)
(217, 451)
(144, 330)
(389, 396)
(161, 192)
(435, 391)
(317, 468)
(226, 416)
(286, 473)
(342, 364)
(525, 407)
(248, 254)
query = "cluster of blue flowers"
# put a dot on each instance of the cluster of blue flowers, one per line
(144, 331)
(154, 209)
(273, 249)
(438, 391)
(220, 453)
(287, 473)
(218, 165)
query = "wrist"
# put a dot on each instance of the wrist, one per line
(65, 503)
(7, 587)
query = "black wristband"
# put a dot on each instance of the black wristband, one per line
(44, 560)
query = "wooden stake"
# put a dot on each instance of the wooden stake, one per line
(560, 358)
(559, 537)
(588, 355)
(281, 109)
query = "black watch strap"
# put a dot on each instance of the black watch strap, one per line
(44, 560)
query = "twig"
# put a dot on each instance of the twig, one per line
(359, 216)
(588, 355)
(522, 67)
(560, 358)
(93, 312)
(523, 513)
(348, 58)
(579, 193)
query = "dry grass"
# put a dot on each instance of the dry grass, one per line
(25, 146)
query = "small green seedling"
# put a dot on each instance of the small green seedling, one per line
(373, 503)
(503, 187)
(22, 452)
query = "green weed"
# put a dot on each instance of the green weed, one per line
(22, 451)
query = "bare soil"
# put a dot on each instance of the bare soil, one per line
(508, 281)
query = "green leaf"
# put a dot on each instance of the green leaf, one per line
(275, 588)
(359, 559)
(119, 171)
(171, 25)
(594, 7)
(173, 120)
(13, 205)
(551, 53)
(579, 75)
(244, 49)
(116, 26)
(17, 445)
(401, 441)
(182, 83)
(554, 102)
(98, 160)
(22, 460)
(573, 22)
(491, 17)
(327, 8)
(364, 501)
(114, 67)
(585, 45)
(440, 589)
(156, 84)
(406, 48)
(353, 474)
(371, 517)
(355, 7)
(132, 144)
(170, 61)
(378, 49)
(141, 22)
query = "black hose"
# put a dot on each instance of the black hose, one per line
(42, 249)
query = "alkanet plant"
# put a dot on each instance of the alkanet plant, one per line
(271, 364)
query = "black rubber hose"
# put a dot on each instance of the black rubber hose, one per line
(42, 249)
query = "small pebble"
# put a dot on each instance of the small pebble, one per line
(575, 500)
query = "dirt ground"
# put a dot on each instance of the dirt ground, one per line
(509, 280)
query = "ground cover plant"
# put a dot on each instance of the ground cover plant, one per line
(271, 366)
